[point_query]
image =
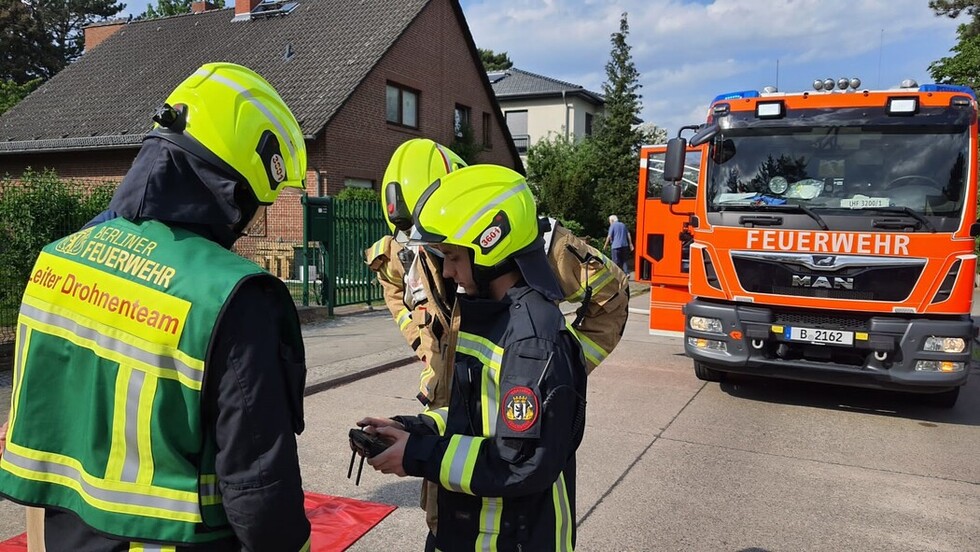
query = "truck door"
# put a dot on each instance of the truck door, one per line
(663, 238)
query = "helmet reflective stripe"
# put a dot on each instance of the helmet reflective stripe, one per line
(261, 107)
(490, 206)
(445, 158)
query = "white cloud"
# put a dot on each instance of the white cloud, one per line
(687, 52)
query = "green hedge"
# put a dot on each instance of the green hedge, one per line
(36, 209)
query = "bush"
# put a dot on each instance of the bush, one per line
(362, 194)
(35, 210)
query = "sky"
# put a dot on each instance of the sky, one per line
(689, 51)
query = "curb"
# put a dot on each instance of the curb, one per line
(336, 381)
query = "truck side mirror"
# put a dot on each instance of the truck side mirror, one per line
(705, 133)
(674, 159)
(671, 193)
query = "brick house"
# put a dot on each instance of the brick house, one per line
(361, 78)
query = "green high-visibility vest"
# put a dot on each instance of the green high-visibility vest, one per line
(112, 338)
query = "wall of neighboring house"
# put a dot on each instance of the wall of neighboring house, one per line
(546, 117)
(433, 59)
(579, 110)
(93, 167)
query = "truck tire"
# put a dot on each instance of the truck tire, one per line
(946, 399)
(707, 373)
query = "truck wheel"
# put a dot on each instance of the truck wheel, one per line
(706, 373)
(946, 399)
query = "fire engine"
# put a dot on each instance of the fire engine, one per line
(824, 236)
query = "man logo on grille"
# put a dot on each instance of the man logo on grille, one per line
(824, 260)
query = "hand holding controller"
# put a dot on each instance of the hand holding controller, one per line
(367, 445)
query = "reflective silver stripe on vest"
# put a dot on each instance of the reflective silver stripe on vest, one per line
(491, 205)
(439, 416)
(492, 403)
(19, 357)
(158, 361)
(114, 497)
(563, 516)
(488, 523)
(457, 470)
(131, 465)
(144, 547)
(491, 358)
(208, 489)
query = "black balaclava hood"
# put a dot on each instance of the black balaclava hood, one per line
(168, 184)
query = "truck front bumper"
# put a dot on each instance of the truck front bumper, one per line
(884, 353)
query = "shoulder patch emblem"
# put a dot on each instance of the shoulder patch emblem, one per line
(520, 409)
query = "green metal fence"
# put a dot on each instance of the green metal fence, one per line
(341, 230)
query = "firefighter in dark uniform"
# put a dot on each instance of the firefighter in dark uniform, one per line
(158, 386)
(419, 301)
(503, 452)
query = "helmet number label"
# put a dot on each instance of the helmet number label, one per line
(490, 236)
(277, 168)
(496, 231)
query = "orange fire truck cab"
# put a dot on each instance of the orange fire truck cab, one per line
(823, 236)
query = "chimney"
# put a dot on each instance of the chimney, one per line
(243, 9)
(96, 34)
(201, 6)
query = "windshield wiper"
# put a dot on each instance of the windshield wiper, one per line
(902, 210)
(786, 208)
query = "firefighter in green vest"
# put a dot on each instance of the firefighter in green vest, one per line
(158, 377)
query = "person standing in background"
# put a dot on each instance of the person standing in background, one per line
(622, 244)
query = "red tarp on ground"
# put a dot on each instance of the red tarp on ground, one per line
(337, 522)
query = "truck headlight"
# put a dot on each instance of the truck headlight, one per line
(703, 324)
(944, 344)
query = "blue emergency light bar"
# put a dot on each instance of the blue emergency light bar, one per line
(741, 94)
(948, 88)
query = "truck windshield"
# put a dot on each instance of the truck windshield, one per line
(841, 170)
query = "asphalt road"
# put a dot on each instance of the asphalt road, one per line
(672, 463)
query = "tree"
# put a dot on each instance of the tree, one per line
(963, 67)
(953, 9)
(562, 175)
(63, 22)
(494, 62)
(24, 45)
(167, 8)
(38, 38)
(464, 143)
(616, 136)
(12, 93)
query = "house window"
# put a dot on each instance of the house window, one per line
(487, 131)
(359, 183)
(461, 119)
(517, 124)
(401, 105)
(588, 124)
